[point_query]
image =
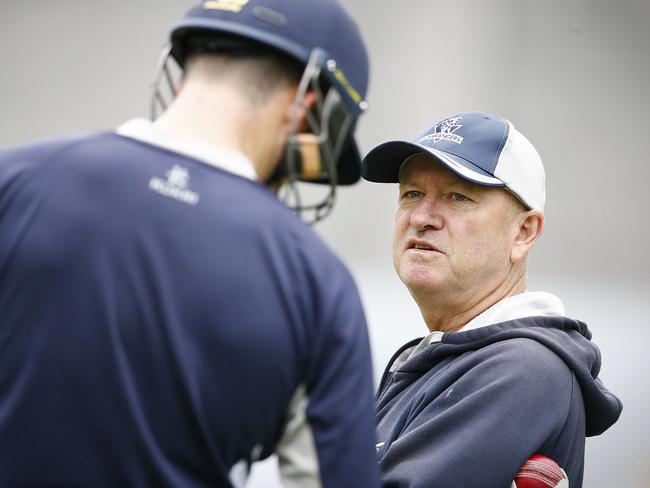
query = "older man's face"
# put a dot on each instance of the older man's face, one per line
(451, 237)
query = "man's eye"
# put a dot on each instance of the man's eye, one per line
(458, 197)
(411, 194)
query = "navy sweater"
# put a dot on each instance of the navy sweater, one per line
(157, 316)
(469, 410)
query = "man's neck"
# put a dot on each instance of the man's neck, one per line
(220, 116)
(446, 315)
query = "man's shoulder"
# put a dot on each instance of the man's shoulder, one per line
(547, 341)
(322, 263)
(40, 149)
(522, 356)
(520, 368)
(30, 160)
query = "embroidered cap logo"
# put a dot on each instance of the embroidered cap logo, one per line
(444, 131)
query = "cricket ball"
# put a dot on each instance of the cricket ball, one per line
(540, 472)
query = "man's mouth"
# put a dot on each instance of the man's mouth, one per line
(422, 246)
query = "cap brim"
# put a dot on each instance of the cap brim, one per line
(382, 164)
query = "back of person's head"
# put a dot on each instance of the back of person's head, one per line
(254, 69)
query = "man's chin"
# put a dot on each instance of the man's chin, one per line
(422, 281)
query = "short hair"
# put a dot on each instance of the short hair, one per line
(258, 69)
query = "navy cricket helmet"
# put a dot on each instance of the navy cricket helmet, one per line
(316, 32)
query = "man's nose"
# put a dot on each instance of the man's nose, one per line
(426, 215)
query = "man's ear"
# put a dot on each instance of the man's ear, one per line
(530, 227)
(309, 101)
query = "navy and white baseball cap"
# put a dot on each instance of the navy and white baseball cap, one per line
(479, 147)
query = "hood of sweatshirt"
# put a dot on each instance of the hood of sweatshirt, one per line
(568, 338)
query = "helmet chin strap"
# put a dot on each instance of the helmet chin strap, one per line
(303, 153)
(310, 160)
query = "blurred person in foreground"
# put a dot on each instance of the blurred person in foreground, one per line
(165, 320)
(503, 372)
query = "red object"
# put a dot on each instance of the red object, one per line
(540, 472)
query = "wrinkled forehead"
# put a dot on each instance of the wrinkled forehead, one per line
(423, 166)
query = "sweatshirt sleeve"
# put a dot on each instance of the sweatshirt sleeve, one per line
(508, 401)
(332, 441)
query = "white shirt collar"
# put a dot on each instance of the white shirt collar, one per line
(226, 159)
(528, 304)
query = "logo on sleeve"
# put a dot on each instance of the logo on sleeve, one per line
(176, 185)
(444, 131)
